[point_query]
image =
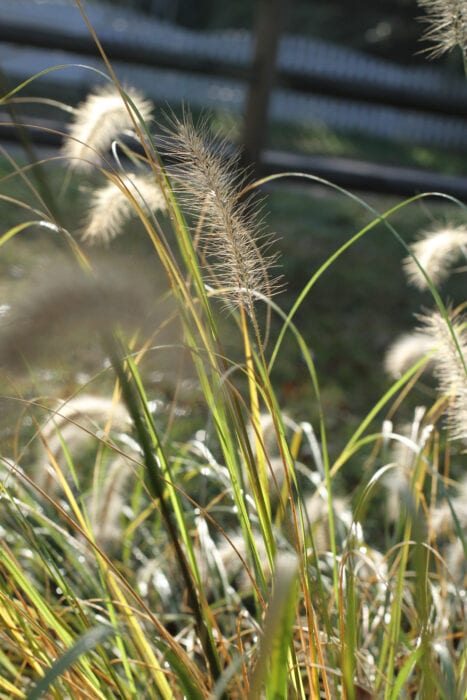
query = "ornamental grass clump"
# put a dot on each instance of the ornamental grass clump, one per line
(169, 529)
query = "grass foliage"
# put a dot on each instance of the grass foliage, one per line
(144, 556)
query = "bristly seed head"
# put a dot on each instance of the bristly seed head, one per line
(450, 365)
(114, 204)
(207, 180)
(99, 120)
(447, 25)
(408, 349)
(72, 309)
(436, 252)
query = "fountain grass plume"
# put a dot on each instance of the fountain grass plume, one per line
(72, 309)
(98, 121)
(447, 25)
(209, 184)
(450, 365)
(75, 428)
(406, 351)
(436, 252)
(112, 206)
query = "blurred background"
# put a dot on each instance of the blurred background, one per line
(385, 29)
(317, 78)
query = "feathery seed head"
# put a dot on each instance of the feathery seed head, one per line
(406, 351)
(208, 182)
(71, 310)
(78, 423)
(436, 252)
(447, 25)
(98, 121)
(73, 423)
(407, 444)
(114, 204)
(450, 366)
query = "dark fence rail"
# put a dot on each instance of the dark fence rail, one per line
(344, 172)
(424, 91)
(315, 81)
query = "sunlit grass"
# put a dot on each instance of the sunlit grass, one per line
(170, 528)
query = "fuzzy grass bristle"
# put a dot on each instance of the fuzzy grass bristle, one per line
(436, 252)
(210, 185)
(447, 25)
(112, 205)
(450, 365)
(408, 349)
(98, 121)
(71, 309)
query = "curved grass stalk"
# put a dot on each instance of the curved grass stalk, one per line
(124, 615)
(258, 475)
(268, 393)
(83, 523)
(39, 74)
(37, 171)
(381, 218)
(297, 534)
(412, 526)
(42, 101)
(271, 673)
(159, 479)
(77, 252)
(350, 447)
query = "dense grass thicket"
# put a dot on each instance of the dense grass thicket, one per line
(174, 523)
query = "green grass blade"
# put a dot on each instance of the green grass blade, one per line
(16, 229)
(404, 673)
(272, 668)
(184, 678)
(46, 71)
(88, 641)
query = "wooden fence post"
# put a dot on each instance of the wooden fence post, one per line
(269, 19)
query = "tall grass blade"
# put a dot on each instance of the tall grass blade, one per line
(157, 483)
(84, 644)
(271, 672)
(404, 673)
